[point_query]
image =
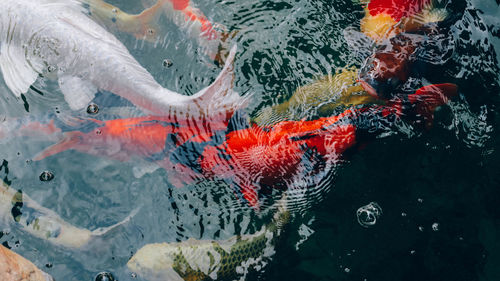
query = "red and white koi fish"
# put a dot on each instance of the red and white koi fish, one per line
(251, 158)
(386, 18)
(57, 38)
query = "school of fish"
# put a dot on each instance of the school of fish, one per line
(201, 137)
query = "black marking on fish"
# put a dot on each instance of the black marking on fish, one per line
(17, 205)
(5, 166)
(25, 103)
(303, 137)
(36, 90)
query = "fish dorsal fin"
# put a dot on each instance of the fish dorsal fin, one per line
(77, 92)
(17, 72)
(358, 42)
(70, 141)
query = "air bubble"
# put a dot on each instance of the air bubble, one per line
(51, 68)
(167, 63)
(435, 226)
(368, 215)
(92, 109)
(104, 276)
(46, 176)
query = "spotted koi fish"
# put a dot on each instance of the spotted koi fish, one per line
(197, 260)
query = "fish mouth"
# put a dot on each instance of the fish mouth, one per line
(384, 89)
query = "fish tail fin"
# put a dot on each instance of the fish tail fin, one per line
(104, 230)
(428, 98)
(219, 98)
(69, 141)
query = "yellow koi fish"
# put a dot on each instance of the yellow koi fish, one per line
(324, 94)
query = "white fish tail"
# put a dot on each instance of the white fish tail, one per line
(104, 230)
(220, 98)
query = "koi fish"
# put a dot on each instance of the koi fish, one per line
(143, 26)
(13, 267)
(198, 260)
(251, 158)
(390, 65)
(211, 37)
(386, 18)
(15, 206)
(55, 37)
(324, 95)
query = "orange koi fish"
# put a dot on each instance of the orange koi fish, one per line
(251, 158)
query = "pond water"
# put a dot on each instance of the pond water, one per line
(437, 191)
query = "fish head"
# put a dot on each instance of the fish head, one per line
(390, 65)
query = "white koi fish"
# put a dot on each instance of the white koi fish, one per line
(56, 38)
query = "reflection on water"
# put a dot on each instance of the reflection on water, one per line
(437, 187)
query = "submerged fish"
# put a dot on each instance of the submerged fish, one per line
(322, 96)
(42, 222)
(390, 65)
(142, 26)
(386, 18)
(254, 158)
(197, 260)
(14, 267)
(55, 37)
(210, 36)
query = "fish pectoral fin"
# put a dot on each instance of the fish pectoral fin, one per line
(17, 72)
(77, 92)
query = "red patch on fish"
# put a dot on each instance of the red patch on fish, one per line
(397, 9)
(180, 4)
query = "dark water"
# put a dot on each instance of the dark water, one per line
(439, 189)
